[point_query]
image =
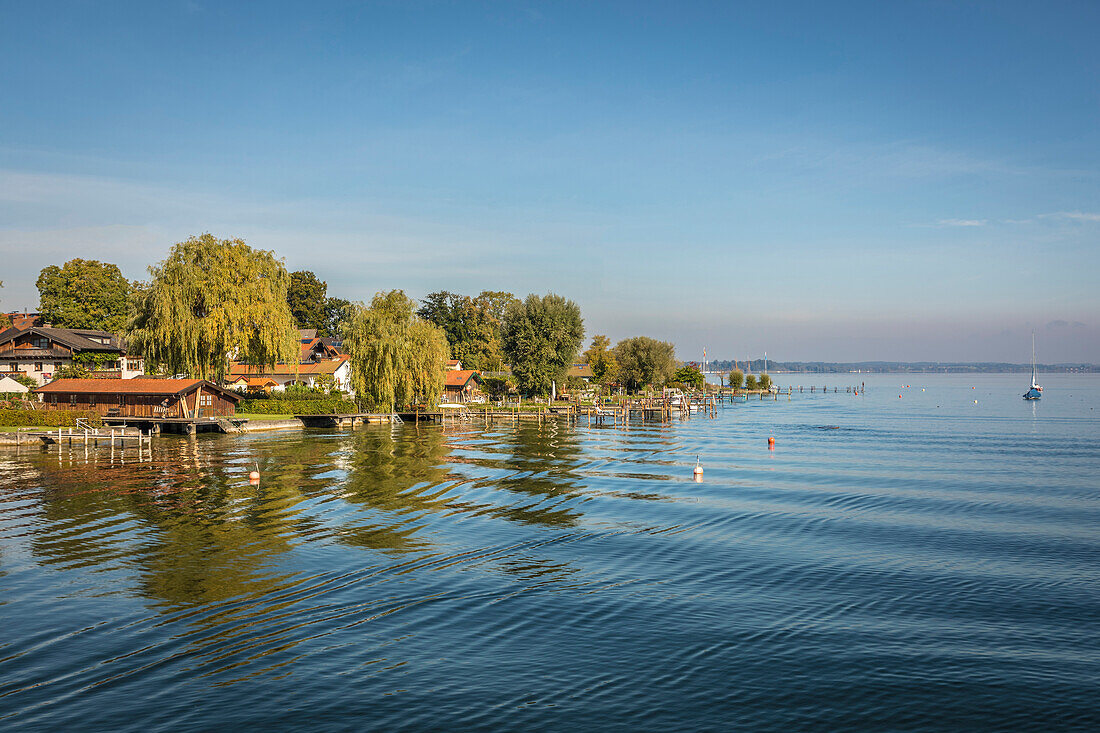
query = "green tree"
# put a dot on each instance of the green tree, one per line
(72, 371)
(307, 297)
(397, 358)
(764, 382)
(472, 325)
(84, 294)
(209, 300)
(338, 314)
(600, 360)
(643, 361)
(750, 382)
(30, 382)
(690, 376)
(540, 337)
(736, 379)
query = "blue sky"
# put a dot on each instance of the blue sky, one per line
(822, 181)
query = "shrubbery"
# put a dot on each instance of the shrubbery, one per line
(19, 418)
(279, 405)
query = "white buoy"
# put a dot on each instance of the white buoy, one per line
(698, 469)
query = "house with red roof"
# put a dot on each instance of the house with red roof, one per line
(462, 385)
(141, 397)
(308, 374)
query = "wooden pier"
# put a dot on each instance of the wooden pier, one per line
(121, 437)
(348, 419)
(178, 425)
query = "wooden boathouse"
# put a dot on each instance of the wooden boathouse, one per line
(182, 402)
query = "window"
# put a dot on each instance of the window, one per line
(38, 366)
(40, 343)
(56, 365)
(206, 400)
(91, 400)
(53, 399)
(72, 400)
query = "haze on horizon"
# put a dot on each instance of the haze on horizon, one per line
(867, 181)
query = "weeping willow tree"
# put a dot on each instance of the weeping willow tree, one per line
(209, 301)
(397, 358)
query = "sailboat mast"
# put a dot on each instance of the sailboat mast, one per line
(1033, 357)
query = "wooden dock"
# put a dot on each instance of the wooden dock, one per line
(349, 419)
(121, 437)
(178, 425)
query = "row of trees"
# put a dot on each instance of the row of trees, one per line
(738, 380)
(213, 299)
(634, 362)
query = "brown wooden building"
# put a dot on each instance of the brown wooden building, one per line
(163, 398)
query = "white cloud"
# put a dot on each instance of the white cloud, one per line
(1072, 216)
(962, 222)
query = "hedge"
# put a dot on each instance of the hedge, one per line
(309, 406)
(17, 418)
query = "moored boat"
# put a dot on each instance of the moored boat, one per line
(1036, 392)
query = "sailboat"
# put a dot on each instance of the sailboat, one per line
(1036, 391)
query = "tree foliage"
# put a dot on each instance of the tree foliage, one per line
(601, 360)
(210, 300)
(540, 337)
(84, 294)
(472, 325)
(750, 381)
(75, 370)
(338, 314)
(306, 296)
(764, 382)
(644, 361)
(397, 358)
(736, 379)
(689, 376)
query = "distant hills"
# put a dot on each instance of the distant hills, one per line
(890, 367)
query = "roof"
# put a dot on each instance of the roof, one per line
(307, 334)
(78, 339)
(7, 384)
(23, 321)
(166, 387)
(461, 377)
(329, 366)
(311, 346)
(580, 370)
(255, 381)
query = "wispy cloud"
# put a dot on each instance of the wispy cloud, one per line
(962, 222)
(1072, 216)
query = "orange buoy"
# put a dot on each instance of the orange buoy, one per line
(255, 476)
(771, 441)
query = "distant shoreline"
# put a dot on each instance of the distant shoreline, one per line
(897, 367)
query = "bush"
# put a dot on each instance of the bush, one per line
(325, 405)
(750, 382)
(765, 382)
(21, 418)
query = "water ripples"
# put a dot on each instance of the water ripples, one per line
(865, 573)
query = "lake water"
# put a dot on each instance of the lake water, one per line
(922, 556)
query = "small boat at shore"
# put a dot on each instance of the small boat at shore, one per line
(1036, 392)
